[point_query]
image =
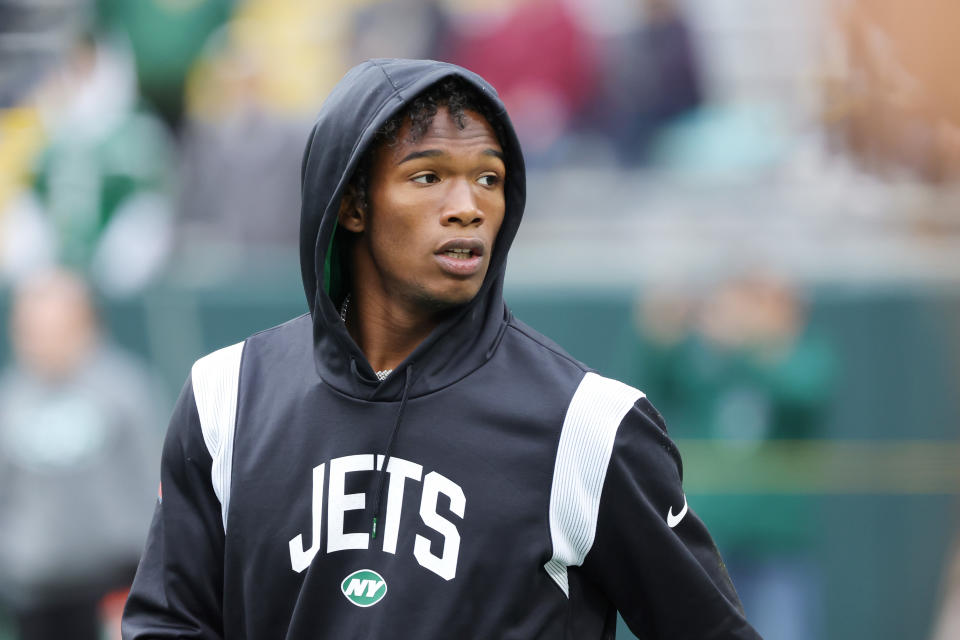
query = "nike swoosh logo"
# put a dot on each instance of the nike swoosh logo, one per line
(674, 520)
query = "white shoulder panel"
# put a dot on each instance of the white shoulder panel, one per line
(586, 443)
(216, 380)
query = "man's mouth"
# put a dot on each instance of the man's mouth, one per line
(461, 248)
(462, 257)
(459, 254)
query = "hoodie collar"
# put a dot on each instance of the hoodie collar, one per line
(367, 96)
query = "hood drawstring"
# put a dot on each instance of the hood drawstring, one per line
(407, 374)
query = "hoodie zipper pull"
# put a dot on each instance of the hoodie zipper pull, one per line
(373, 533)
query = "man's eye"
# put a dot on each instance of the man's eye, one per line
(489, 180)
(427, 178)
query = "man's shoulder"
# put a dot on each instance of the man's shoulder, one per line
(536, 345)
(541, 363)
(585, 386)
(287, 341)
(293, 331)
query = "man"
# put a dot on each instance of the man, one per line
(408, 460)
(78, 444)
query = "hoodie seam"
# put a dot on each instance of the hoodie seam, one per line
(376, 113)
(368, 122)
(280, 326)
(549, 348)
(396, 87)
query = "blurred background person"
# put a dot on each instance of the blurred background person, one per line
(744, 333)
(400, 29)
(79, 441)
(100, 181)
(649, 75)
(891, 98)
(165, 38)
(249, 101)
(542, 62)
(740, 369)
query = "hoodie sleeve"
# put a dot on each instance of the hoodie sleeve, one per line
(177, 592)
(651, 555)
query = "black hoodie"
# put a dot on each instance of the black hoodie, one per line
(523, 495)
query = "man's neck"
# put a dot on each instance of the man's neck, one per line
(386, 333)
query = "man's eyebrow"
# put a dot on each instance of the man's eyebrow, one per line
(433, 153)
(426, 153)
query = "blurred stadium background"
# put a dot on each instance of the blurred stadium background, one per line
(747, 208)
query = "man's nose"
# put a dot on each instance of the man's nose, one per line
(461, 205)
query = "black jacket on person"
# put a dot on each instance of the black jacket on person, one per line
(524, 496)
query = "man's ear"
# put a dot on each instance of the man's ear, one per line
(352, 215)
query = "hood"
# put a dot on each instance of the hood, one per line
(367, 96)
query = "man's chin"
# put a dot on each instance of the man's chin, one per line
(447, 301)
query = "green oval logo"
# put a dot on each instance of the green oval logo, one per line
(364, 588)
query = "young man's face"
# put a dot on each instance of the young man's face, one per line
(436, 206)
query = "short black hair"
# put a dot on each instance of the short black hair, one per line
(456, 94)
